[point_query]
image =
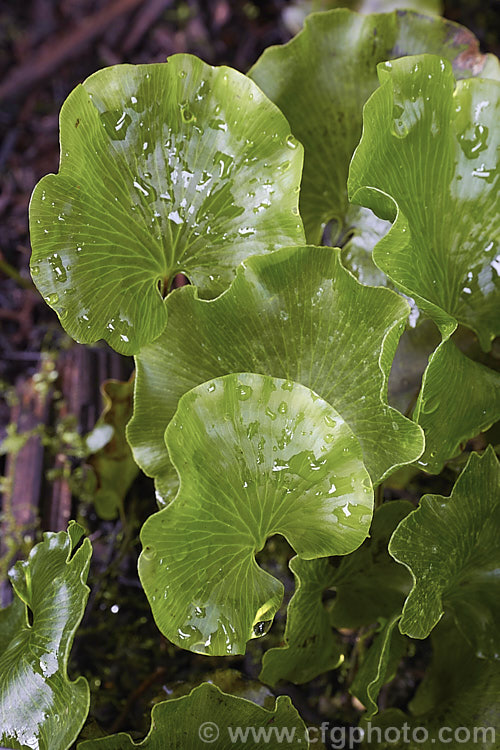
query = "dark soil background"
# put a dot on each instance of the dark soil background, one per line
(51, 386)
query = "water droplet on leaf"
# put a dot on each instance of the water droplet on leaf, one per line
(261, 628)
(243, 392)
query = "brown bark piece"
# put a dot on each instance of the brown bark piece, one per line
(53, 54)
(24, 473)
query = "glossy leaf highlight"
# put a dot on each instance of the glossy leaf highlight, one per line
(321, 80)
(296, 314)
(256, 456)
(295, 15)
(428, 158)
(165, 168)
(40, 708)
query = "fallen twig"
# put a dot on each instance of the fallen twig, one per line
(145, 19)
(52, 54)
